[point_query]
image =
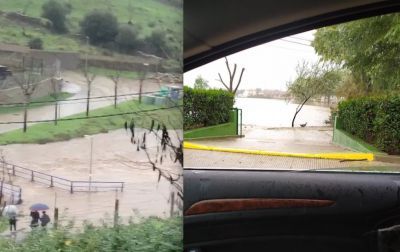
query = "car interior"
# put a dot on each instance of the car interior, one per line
(271, 210)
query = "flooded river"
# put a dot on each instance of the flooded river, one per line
(278, 113)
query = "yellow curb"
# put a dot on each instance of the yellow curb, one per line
(339, 156)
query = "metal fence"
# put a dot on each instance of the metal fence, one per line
(13, 193)
(65, 184)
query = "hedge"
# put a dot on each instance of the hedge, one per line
(376, 120)
(206, 107)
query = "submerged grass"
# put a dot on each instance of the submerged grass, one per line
(65, 130)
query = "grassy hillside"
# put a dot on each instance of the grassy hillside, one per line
(146, 14)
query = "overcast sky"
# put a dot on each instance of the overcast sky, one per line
(268, 66)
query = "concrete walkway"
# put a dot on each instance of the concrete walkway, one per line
(291, 140)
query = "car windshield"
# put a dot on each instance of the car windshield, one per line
(325, 99)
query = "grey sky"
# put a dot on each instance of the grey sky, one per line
(268, 66)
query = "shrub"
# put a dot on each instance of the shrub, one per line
(56, 12)
(206, 107)
(374, 119)
(151, 234)
(157, 43)
(36, 43)
(127, 38)
(100, 26)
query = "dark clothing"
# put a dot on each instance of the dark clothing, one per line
(13, 223)
(44, 220)
(35, 219)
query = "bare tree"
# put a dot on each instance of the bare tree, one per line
(28, 81)
(89, 80)
(142, 76)
(56, 86)
(231, 87)
(169, 143)
(115, 78)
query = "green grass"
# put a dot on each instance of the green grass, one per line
(221, 130)
(151, 234)
(3, 224)
(144, 13)
(48, 99)
(66, 130)
(109, 72)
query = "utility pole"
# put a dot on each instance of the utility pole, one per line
(116, 209)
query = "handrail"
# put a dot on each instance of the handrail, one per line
(61, 183)
(13, 191)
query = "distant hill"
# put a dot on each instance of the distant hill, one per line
(147, 15)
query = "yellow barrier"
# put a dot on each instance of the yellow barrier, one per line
(336, 156)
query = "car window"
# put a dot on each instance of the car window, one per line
(322, 99)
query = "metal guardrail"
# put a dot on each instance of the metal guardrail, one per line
(13, 192)
(238, 121)
(61, 183)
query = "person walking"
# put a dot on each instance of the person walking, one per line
(45, 219)
(12, 219)
(35, 219)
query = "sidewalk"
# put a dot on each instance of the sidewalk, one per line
(289, 140)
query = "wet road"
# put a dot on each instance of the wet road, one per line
(75, 83)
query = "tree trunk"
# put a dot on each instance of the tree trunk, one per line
(88, 99)
(25, 116)
(115, 94)
(298, 110)
(140, 91)
(55, 112)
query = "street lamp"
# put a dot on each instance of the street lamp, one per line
(91, 161)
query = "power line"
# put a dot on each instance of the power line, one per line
(298, 38)
(92, 117)
(77, 99)
(295, 42)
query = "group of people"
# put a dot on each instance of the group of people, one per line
(44, 220)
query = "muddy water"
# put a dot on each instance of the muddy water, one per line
(114, 159)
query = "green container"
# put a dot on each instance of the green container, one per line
(148, 99)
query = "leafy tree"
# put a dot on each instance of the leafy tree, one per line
(201, 83)
(368, 47)
(100, 26)
(312, 80)
(36, 43)
(157, 43)
(127, 38)
(57, 13)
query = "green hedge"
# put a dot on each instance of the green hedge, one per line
(376, 120)
(203, 107)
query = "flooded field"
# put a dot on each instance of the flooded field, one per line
(114, 159)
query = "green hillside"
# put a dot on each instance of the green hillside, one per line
(147, 15)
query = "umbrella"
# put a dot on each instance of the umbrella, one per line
(39, 207)
(10, 211)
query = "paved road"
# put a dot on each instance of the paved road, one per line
(75, 83)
